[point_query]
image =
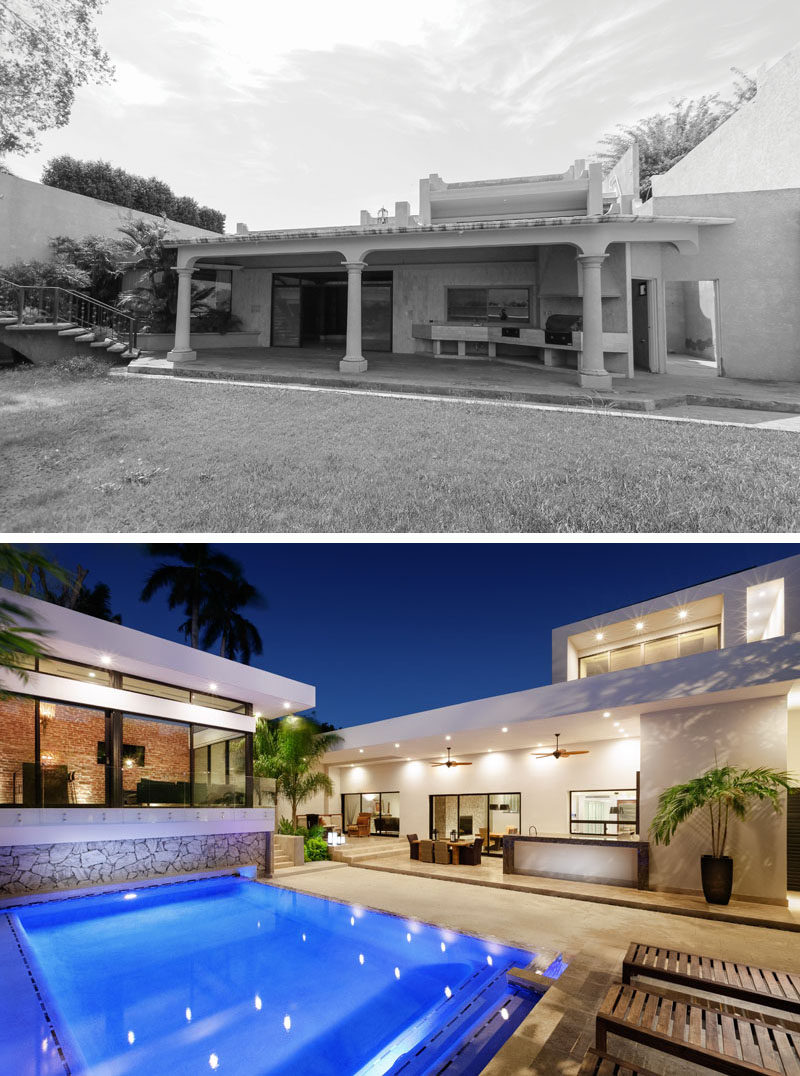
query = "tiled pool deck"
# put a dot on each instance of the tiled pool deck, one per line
(594, 937)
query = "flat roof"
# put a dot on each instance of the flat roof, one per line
(457, 227)
(78, 637)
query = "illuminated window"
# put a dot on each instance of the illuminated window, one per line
(648, 652)
(765, 610)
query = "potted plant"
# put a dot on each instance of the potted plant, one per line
(723, 790)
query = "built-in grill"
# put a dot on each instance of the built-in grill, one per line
(559, 328)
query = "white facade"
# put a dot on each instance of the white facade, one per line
(735, 699)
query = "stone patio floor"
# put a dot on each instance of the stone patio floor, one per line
(517, 380)
(593, 937)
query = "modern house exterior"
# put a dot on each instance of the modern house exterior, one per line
(650, 695)
(124, 756)
(708, 268)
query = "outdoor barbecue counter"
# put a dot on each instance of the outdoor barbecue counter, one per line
(579, 857)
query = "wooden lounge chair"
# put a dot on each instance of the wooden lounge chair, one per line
(722, 1042)
(413, 844)
(597, 1064)
(778, 989)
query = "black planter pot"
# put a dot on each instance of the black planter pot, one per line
(717, 875)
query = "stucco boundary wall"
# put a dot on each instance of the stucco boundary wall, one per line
(31, 214)
(35, 868)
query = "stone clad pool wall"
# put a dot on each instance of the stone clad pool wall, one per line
(36, 868)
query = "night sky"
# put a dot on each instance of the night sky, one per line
(389, 629)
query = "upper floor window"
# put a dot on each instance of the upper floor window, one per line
(649, 651)
(484, 305)
(765, 610)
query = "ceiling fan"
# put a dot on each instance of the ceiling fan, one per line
(559, 752)
(450, 762)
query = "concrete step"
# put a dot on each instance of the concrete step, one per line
(8, 320)
(76, 330)
(85, 338)
(117, 348)
(106, 343)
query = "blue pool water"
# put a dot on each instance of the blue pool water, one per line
(235, 977)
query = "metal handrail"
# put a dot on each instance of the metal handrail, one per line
(75, 307)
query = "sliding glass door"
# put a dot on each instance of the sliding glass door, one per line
(383, 809)
(488, 815)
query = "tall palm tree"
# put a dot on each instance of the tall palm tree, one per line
(190, 582)
(20, 638)
(238, 637)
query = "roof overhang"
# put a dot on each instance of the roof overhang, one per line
(86, 639)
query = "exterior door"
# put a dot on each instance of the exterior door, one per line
(286, 308)
(640, 311)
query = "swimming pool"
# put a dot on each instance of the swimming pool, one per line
(247, 979)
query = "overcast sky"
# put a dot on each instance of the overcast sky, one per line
(284, 114)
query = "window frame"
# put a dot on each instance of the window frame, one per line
(642, 644)
(526, 322)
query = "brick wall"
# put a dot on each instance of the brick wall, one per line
(69, 738)
(166, 751)
(17, 731)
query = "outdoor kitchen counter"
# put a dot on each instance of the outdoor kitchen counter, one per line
(623, 861)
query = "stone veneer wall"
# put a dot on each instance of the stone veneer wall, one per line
(36, 868)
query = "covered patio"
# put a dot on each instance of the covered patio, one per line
(525, 270)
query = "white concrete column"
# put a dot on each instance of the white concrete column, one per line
(353, 361)
(182, 348)
(591, 368)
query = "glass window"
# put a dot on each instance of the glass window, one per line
(627, 657)
(17, 752)
(151, 687)
(155, 762)
(597, 663)
(611, 811)
(504, 818)
(71, 770)
(697, 642)
(71, 670)
(211, 299)
(217, 703)
(660, 650)
(219, 767)
(488, 304)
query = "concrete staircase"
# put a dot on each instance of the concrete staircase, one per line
(359, 849)
(281, 860)
(68, 331)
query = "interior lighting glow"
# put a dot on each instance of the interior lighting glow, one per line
(92, 674)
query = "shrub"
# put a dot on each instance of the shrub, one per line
(100, 179)
(316, 848)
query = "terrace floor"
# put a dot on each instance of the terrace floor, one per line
(593, 937)
(727, 399)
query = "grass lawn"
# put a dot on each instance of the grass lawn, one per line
(84, 452)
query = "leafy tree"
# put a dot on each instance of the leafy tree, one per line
(154, 300)
(223, 622)
(190, 581)
(664, 139)
(289, 751)
(100, 179)
(48, 581)
(19, 636)
(722, 791)
(48, 50)
(99, 256)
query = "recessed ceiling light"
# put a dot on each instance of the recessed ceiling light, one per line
(756, 612)
(639, 625)
(212, 687)
(488, 750)
(606, 713)
(448, 737)
(397, 745)
(287, 706)
(257, 713)
(599, 636)
(361, 750)
(540, 745)
(682, 613)
(105, 659)
(504, 729)
(762, 593)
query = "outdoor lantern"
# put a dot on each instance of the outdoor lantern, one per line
(435, 834)
(453, 834)
(331, 837)
(383, 215)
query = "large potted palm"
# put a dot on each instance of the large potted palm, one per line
(722, 791)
